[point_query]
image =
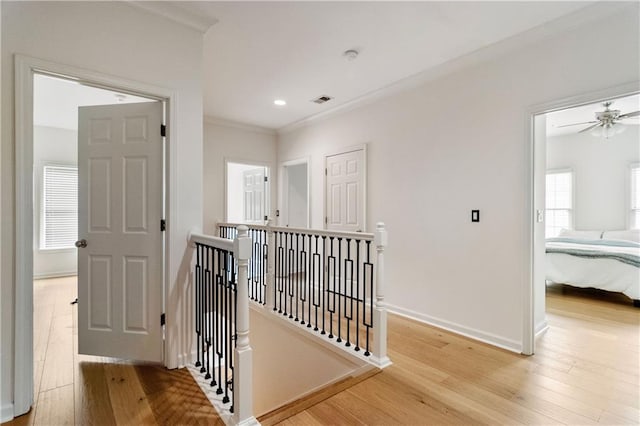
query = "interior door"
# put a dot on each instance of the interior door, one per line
(254, 191)
(345, 191)
(120, 205)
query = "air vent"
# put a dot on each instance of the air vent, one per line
(322, 99)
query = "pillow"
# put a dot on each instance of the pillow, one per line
(580, 235)
(628, 235)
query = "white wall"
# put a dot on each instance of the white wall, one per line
(456, 143)
(601, 175)
(118, 40)
(57, 146)
(242, 144)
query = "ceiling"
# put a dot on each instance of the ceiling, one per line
(257, 52)
(56, 101)
(586, 113)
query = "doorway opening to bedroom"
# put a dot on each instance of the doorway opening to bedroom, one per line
(586, 232)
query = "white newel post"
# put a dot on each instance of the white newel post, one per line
(243, 374)
(379, 310)
(271, 250)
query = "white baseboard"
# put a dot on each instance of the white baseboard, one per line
(6, 412)
(541, 329)
(492, 339)
(54, 275)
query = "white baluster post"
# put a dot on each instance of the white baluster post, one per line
(379, 355)
(271, 262)
(243, 372)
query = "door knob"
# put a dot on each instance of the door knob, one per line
(81, 243)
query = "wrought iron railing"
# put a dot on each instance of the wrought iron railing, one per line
(221, 309)
(329, 282)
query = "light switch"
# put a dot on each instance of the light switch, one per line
(539, 216)
(475, 215)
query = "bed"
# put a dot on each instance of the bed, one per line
(611, 262)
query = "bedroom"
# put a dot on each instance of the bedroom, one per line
(592, 211)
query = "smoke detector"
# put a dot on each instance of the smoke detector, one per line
(322, 99)
(350, 54)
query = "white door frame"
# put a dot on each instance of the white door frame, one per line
(284, 189)
(267, 196)
(25, 68)
(325, 213)
(528, 332)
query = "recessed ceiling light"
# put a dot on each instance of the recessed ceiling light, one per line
(279, 102)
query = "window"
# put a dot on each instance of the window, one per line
(559, 202)
(59, 228)
(634, 221)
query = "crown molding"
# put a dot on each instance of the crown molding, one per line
(176, 13)
(593, 12)
(217, 121)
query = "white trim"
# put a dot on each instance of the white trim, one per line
(184, 16)
(6, 412)
(472, 333)
(217, 121)
(268, 173)
(629, 189)
(60, 274)
(283, 182)
(25, 67)
(345, 150)
(541, 329)
(528, 323)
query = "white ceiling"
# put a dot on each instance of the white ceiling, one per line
(56, 101)
(586, 113)
(260, 51)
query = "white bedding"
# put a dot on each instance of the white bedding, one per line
(604, 273)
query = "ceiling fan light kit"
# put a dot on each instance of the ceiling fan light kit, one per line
(607, 122)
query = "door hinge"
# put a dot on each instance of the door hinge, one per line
(163, 225)
(266, 179)
(326, 220)
(163, 130)
(325, 171)
(163, 319)
(266, 218)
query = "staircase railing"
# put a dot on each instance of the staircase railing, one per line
(329, 282)
(224, 355)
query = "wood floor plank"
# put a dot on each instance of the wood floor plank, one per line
(55, 407)
(586, 370)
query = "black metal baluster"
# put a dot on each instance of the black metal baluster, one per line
(357, 348)
(368, 266)
(323, 280)
(221, 276)
(348, 278)
(197, 303)
(331, 291)
(340, 294)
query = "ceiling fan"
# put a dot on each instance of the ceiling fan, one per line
(605, 119)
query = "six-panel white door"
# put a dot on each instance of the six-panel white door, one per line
(120, 198)
(254, 194)
(345, 186)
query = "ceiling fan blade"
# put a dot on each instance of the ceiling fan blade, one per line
(577, 124)
(589, 128)
(630, 114)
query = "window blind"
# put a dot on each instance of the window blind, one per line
(60, 207)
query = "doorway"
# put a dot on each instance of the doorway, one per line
(567, 136)
(295, 194)
(345, 190)
(27, 70)
(246, 192)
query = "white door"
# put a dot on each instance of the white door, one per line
(120, 199)
(345, 196)
(253, 190)
(295, 196)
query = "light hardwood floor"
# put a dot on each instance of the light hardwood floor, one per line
(585, 371)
